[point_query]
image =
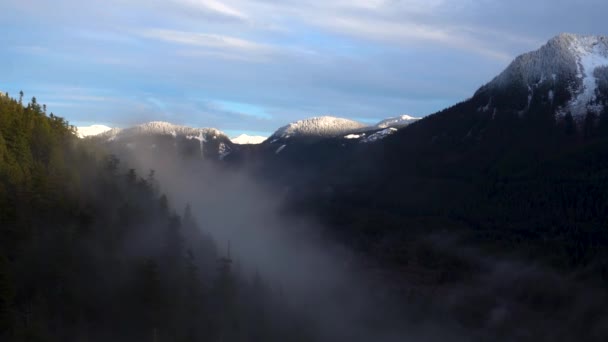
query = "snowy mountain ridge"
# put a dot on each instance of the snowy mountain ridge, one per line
(320, 126)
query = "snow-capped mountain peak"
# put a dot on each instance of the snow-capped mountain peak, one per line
(245, 139)
(564, 72)
(321, 126)
(87, 131)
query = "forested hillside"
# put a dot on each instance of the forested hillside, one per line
(92, 251)
(531, 184)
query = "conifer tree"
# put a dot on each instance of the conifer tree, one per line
(7, 293)
(151, 297)
(152, 182)
(589, 125)
(225, 292)
(569, 125)
(603, 122)
(163, 203)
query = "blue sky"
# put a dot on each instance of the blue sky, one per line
(252, 66)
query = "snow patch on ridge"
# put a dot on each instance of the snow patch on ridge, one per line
(224, 151)
(201, 138)
(379, 135)
(591, 53)
(280, 149)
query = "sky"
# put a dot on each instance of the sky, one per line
(253, 66)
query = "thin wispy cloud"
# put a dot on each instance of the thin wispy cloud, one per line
(213, 6)
(219, 56)
(214, 46)
(405, 33)
(202, 39)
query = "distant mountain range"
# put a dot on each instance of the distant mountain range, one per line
(320, 127)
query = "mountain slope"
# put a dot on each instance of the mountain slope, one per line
(562, 76)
